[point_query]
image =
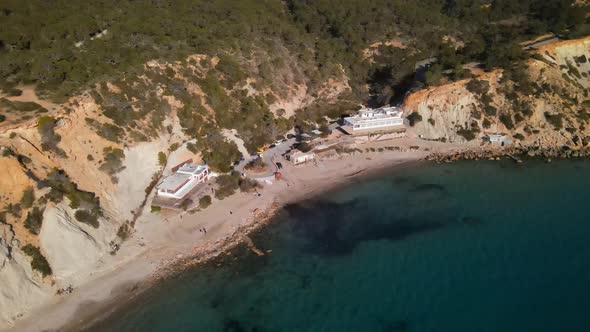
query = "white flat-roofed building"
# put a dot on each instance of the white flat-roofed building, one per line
(499, 139)
(183, 181)
(375, 120)
(299, 157)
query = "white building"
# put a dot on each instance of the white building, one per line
(301, 157)
(498, 139)
(180, 183)
(375, 120)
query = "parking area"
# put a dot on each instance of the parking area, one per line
(270, 157)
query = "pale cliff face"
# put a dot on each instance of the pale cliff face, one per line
(562, 78)
(447, 106)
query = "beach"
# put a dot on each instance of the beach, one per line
(421, 247)
(168, 242)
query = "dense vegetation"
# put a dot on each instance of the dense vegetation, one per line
(204, 202)
(113, 162)
(267, 46)
(63, 45)
(38, 261)
(49, 139)
(34, 221)
(85, 203)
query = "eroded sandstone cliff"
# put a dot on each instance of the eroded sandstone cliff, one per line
(552, 111)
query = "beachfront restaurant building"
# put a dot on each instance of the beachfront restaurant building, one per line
(180, 183)
(299, 157)
(367, 121)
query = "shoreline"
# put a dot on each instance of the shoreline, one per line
(236, 240)
(176, 246)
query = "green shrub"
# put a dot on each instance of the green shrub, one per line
(204, 201)
(519, 136)
(28, 198)
(49, 139)
(583, 115)
(506, 119)
(248, 185)
(554, 119)
(38, 262)
(20, 106)
(2, 118)
(123, 115)
(573, 70)
(580, 59)
(226, 185)
(14, 92)
(113, 161)
(257, 163)
(170, 72)
(431, 121)
(155, 209)
(162, 158)
(153, 183)
(14, 209)
(192, 147)
(61, 186)
(478, 87)
(221, 154)
(124, 231)
(414, 118)
(34, 221)
(490, 110)
(173, 147)
(230, 69)
(86, 217)
(303, 147)
(468, 134)
(186, 203)
(110, 132)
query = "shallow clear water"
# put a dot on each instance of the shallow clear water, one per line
(463, 247)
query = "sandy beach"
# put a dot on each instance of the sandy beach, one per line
(167, 242)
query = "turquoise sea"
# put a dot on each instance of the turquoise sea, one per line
(472, 246)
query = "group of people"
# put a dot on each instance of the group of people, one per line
(203, 230)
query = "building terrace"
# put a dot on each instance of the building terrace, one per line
(180, 183)
(367, 121)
